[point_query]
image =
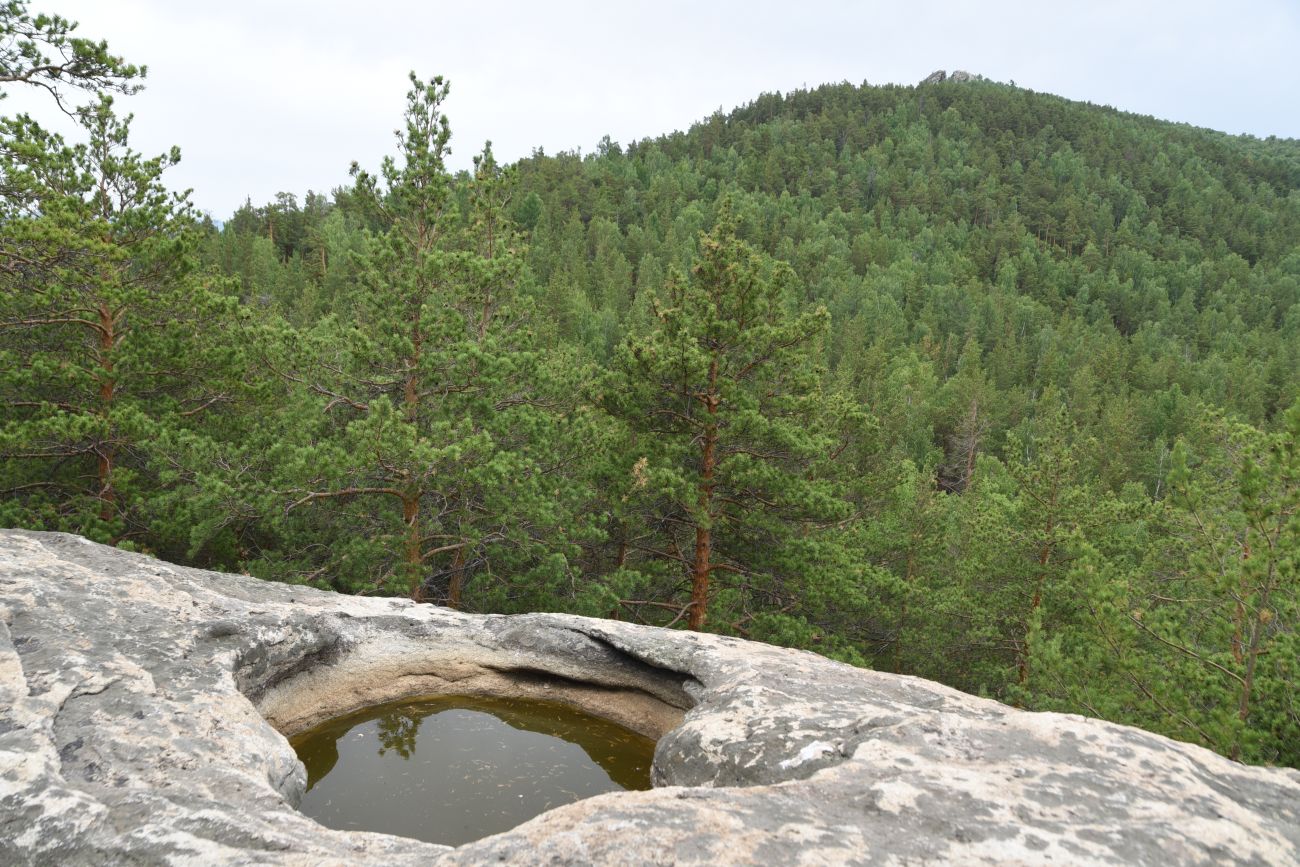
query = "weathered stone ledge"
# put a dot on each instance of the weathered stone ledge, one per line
(143, 706)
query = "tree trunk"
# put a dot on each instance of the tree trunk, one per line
(1044, 558)
(411, 388)
(703, 529)
(411, 500)
(485, 314)
(107, 392)
(411, 547)
(1252, 656)
(972, 446)
(902, 611)
(456, 583)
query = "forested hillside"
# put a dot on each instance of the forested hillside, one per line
(957, 380)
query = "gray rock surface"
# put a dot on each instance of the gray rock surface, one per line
(135, 698)
(935, 77)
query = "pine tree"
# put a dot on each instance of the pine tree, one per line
(1222, 616)
(429, 385)
(721, 395)
(42, 51)
(110, 336)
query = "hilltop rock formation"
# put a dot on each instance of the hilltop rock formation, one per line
(143, 712)
(940, 75)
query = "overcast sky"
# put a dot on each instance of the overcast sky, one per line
(283, 94)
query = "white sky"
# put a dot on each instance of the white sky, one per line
(284, 94)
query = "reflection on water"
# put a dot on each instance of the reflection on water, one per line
(453, 769)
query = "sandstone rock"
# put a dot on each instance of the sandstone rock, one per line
(135, 698)
(935, 77)
(961, 75)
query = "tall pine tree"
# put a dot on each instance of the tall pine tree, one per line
(427, 471)
(110, 337)
(721, 396)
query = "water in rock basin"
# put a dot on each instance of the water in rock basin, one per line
(454, 769)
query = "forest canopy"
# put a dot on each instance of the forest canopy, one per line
(957, 380)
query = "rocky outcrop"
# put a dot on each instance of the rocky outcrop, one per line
(939, 75)
(143, 709)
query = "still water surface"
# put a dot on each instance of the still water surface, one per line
(453, 769)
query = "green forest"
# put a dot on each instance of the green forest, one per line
(956, 380)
